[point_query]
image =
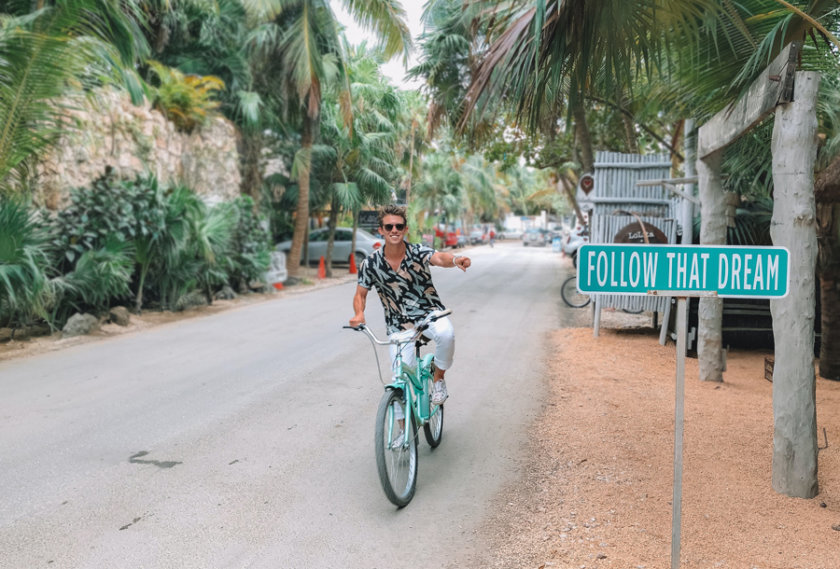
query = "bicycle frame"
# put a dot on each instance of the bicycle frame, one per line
(412, 382)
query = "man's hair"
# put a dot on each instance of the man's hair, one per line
(392, 209)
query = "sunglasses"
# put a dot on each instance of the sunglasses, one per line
(390, 226)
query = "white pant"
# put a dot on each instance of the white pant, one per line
(442, 333)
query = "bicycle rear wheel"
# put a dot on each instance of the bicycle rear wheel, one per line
(396, 457)
(434, 428)
(570, 293)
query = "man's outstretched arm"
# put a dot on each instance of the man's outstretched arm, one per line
(446, 259)
(359, 303)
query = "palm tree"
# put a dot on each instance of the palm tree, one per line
(363, 164)
(542, 53)
(301, 40)
(413, 137)
(481, 182)
(440, 189)
(40, 52)
(446, 60)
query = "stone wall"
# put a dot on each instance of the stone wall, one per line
(108, 130)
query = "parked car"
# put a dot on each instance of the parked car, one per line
(577, 237)
(508, 233)
(535, 237)
(450, 238)
(366, 243)
(478, 236)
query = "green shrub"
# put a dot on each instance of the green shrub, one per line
(122, 238)
(251, 244)
(23, 265)
(100, 277)
(197, 253)
(105, 214)
(125, 210)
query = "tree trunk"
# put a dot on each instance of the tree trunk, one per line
(712, 232)
(829, 319)
(302, 212)
(793, 226)
(627, 121)
(332, 223)
(587, 156)
(827, 195)
(410, 170)
(828, 268)
(687, 208)
(355, 227)
(675, 143)
(251, 184)
(570, 195)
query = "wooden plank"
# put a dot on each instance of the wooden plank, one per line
(632, 166)
(773, 87)
(631, 200)
(672, 181)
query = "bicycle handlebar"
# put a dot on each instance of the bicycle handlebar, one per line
(399, 340)
(421, 327)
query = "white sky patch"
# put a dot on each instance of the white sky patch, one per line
(393, 69)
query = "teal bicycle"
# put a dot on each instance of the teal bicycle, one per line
(403, 409)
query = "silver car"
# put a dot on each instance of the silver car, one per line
(366, 244)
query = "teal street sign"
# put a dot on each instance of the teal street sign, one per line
(745, 272)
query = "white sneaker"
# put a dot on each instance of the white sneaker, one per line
(439, 393)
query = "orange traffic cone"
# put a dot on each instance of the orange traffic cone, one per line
(322, 269)
(352, 264)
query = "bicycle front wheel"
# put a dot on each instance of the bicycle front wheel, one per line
(396, 448)
(570, 293)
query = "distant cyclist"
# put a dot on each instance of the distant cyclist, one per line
(400, 271)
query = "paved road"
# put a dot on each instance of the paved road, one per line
(245, 439)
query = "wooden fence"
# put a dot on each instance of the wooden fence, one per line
(615, 202)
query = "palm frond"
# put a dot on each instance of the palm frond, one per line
(386, 18)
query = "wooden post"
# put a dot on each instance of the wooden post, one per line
(794, 226)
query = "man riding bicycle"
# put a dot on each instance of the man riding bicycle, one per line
(400, 271)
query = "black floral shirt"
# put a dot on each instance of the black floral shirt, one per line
(407, 295)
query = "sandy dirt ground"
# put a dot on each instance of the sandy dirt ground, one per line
(596, 482)
(597, 487)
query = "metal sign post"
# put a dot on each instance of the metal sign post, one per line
(682, 271)
(679, 418)
(679, 423)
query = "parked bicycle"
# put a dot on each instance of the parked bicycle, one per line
(576, 299)
(570, 294)
(405, 407)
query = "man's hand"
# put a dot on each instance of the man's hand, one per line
(357, 320)
(461, 262)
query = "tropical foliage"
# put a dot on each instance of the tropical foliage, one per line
(186, 100)
(23, 264)
(42, 52)
(302, 96)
